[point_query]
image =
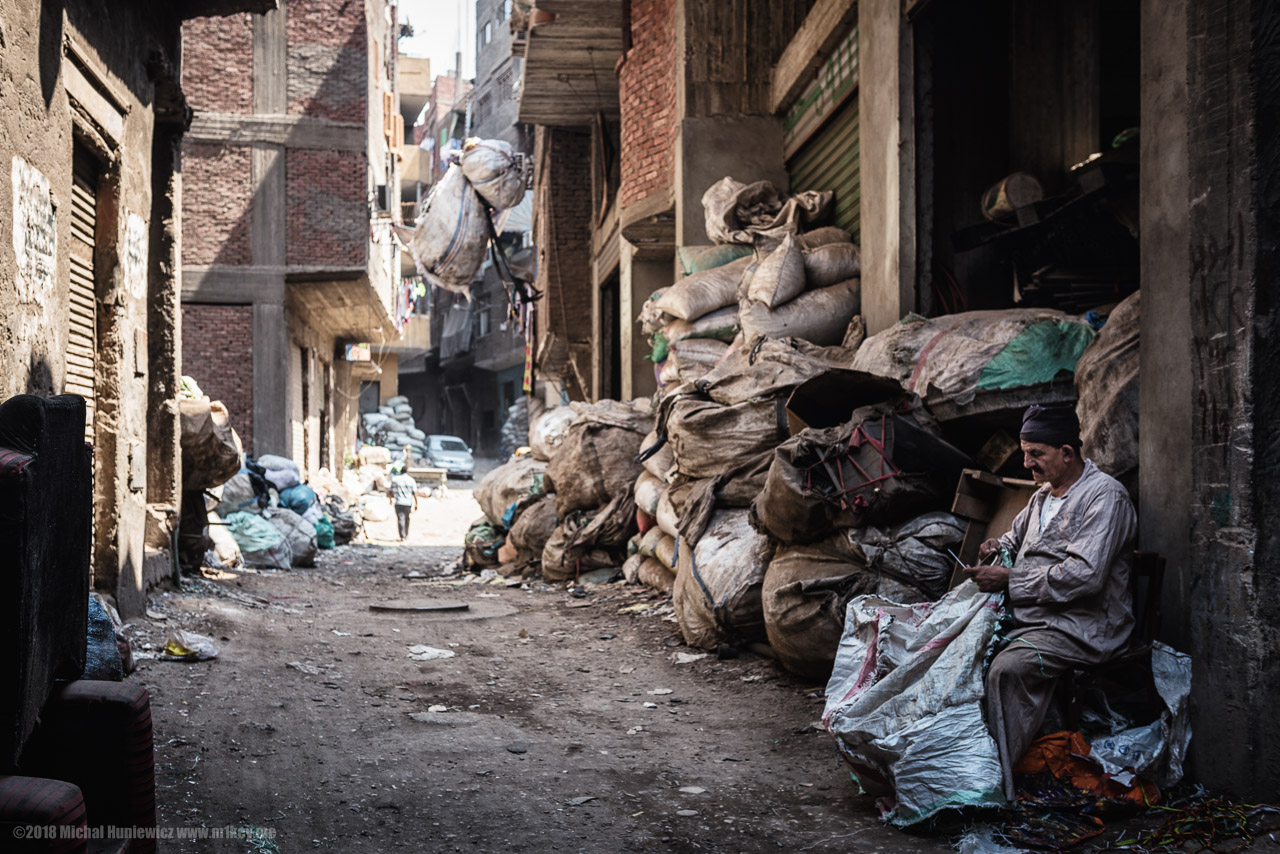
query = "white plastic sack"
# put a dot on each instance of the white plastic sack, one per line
(905, 701)
(491, 167)
(283, 479)
(238, 496)
(272, 462)
(298, 532)
(1155, 751)
(450, 239)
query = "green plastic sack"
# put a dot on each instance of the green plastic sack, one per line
(1037, 355)
(324, 533)
(260, 542)
(695, 259)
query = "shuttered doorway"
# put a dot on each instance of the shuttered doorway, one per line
(82, 337)
(829, 161)
(820, 134)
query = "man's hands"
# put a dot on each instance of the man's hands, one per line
(988, 548)
(990, 579)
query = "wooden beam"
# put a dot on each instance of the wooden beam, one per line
(823, 27)
(293, 131)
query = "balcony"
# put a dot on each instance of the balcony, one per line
(570, 50)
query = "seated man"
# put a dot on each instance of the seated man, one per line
(1068, 590)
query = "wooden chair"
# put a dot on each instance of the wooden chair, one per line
(1147, 584)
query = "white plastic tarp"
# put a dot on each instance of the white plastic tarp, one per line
(905, 701)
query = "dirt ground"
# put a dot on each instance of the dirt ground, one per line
(558, 724)
(314, 722)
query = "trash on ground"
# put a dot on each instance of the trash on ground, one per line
(189, 646)
(420, 652)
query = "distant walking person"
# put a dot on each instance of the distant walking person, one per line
(404, 494)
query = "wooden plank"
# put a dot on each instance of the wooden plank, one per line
(824, 26)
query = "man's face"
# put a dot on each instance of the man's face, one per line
(1046, 463)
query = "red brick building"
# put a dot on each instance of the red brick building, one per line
(290, 190)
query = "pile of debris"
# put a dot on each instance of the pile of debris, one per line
(266, 516)
(789, 464)
(391, 426)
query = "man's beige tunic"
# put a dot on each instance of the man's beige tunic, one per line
(1071, 601)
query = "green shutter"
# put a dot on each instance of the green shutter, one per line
(828, 160)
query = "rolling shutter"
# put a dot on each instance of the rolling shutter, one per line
(829, 161)
(820, 134)
(82, 338)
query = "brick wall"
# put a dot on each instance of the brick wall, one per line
(328, 59)
(328, 212)
(217, 352)
(217, 64)
(563, 158)
(216, 199)
(647, 96)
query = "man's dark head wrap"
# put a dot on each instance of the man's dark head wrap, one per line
(1054, 425)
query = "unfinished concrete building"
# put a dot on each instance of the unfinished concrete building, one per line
(93, 120)
(292, 187)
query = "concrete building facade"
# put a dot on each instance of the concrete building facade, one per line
(293, 188)
(93, 119)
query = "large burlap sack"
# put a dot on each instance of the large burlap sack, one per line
(529, 535)
(808, 587)
(691, 358)
(880, 467)
(1107, 391)
(772, 369)
(667, 516)
(780, 277)
(720, 325)
(656, 457)
(491, 167)
(652, 573)
(819, 316)
(652, 318)
(831, 264)
(547, 432)
(450, 239)
(718, 581)
(510, 482)
(957, 355)
(702, 293)
(737, 212)
(300, 534)
(586, 541)
(648, 492)
(211, 450)
(659, 546)
(823, 236)
(805, 592)
(597, 460)
(709, 438)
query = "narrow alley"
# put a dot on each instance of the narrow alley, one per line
(558, 724)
